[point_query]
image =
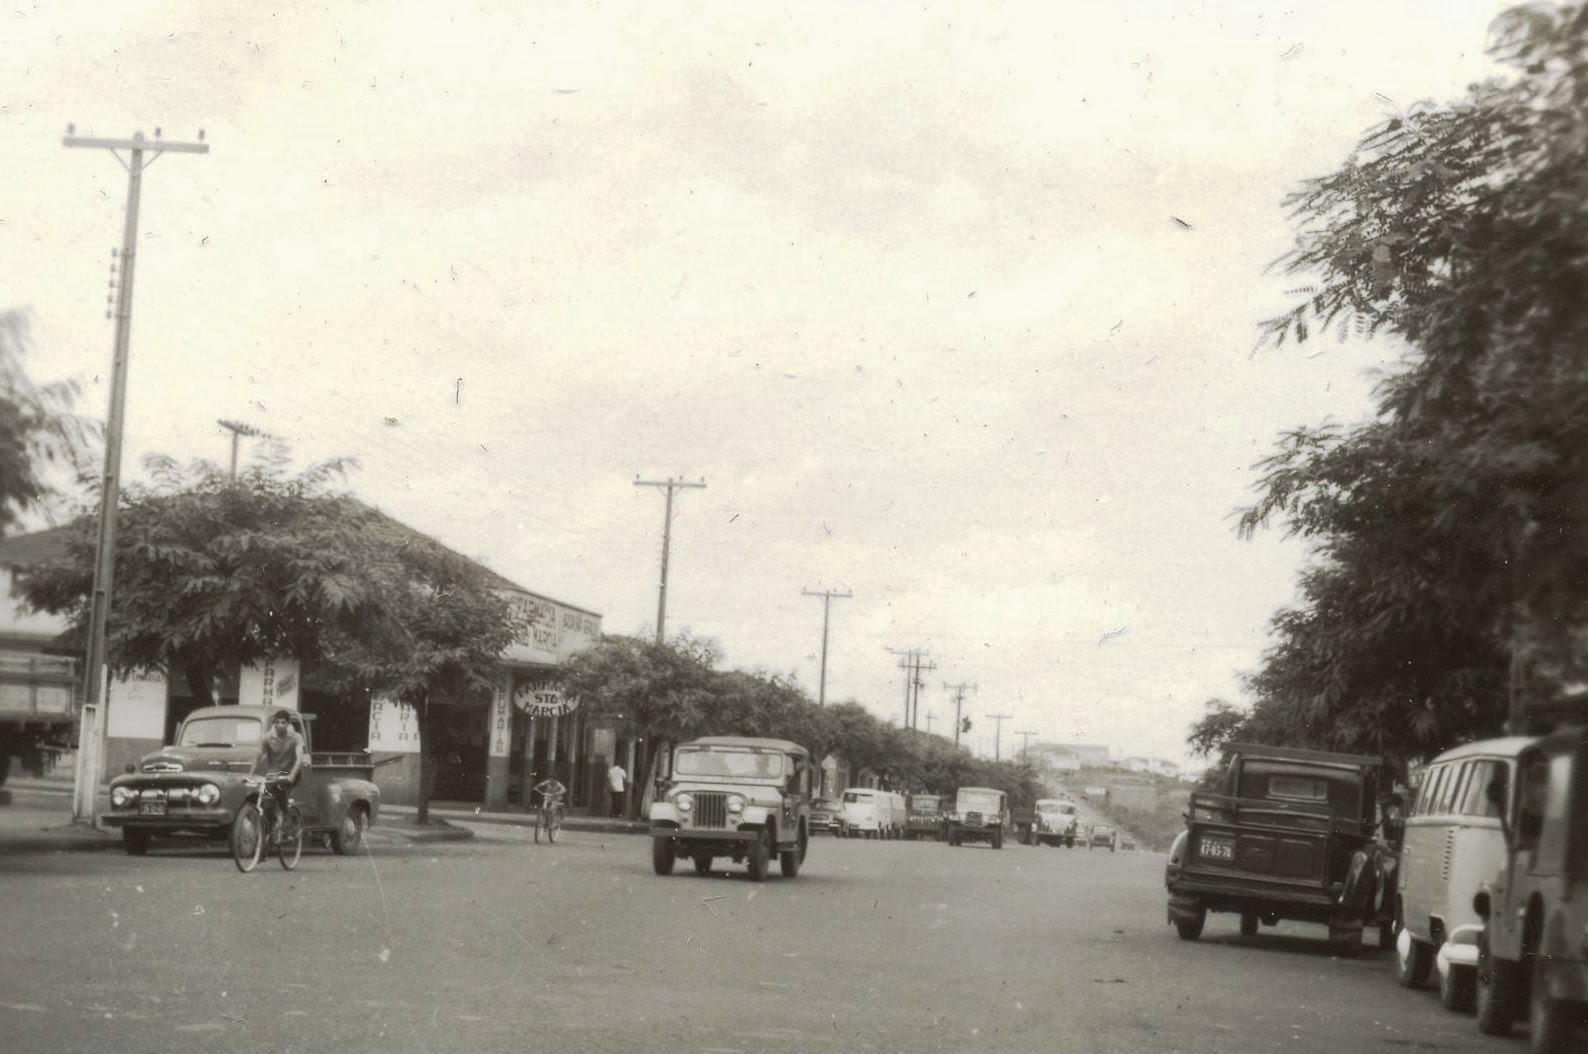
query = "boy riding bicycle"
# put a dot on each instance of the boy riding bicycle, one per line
(282, 755)
(551, 792)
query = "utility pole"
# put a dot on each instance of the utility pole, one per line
(94, 674)
(929, 716)
(1025, 744)
(913, 663)
(667, 536)
(998, 732)
(238, 430)
(959, 699)
(827, 599)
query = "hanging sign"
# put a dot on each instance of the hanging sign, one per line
(542, 700)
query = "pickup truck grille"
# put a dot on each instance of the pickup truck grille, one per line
(973, 819)
(711, 809)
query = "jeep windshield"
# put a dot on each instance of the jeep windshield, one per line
(222, 730)
(731, 764)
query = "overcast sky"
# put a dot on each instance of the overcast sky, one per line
(953, 307)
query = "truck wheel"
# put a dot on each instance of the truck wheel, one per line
(759, 857)
(1248, 924)
(1552, 1023)
(1346, 937)
(1499, 990)
(135, 840)
(998, 839)
(789, 859)
(1190, 929)
(348, 837)
(662, 855)
(1412, 960)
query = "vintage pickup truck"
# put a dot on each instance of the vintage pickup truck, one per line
(196, 786)
(1292, 839)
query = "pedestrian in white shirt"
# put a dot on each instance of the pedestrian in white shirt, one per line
(617, 783)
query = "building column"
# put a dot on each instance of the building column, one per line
(500, 738)
(394, 729)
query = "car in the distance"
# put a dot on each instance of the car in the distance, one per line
(827, 814)
(1057, 822)
(1102, 836)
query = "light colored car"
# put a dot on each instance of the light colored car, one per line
(827, 814)
(1057, 822)
(1102, 836)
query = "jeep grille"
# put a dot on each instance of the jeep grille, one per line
(711, 809)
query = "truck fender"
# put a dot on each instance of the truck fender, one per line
(1361, 879)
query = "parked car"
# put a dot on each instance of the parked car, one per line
(744, 798)
(827, 814)
(1533, 948)
(1291, 839)
(1452, 844)
(979, 815)
(1102, 836)
(1058, 822)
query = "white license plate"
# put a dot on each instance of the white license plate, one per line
(1208, 849)
(151, 808)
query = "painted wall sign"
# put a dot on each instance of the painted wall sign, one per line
(393, 726)
(539, 699)
(273, 682)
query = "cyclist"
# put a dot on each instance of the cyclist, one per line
(282, 755)
(551, 792)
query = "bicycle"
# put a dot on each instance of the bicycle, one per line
(549, 817)
(258, 829)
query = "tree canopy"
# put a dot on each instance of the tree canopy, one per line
(1446, 532)
(39, 433)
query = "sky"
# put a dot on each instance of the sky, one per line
(953, 310)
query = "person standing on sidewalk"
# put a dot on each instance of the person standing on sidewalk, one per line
(617, 783)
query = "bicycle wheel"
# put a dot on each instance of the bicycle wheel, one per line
(248, 838)
(540, 820)
(553, 824)
(289, 837)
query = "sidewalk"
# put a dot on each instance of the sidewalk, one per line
(38, 819)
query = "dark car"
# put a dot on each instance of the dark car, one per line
(1102, 836)
(827, 814)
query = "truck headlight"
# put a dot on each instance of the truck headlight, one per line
(209, 794)
(120, 796)
(684, 802)
(735, 803)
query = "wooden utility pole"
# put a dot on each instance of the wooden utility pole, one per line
(827, 599)
(238, 429)
(1025, 743)
(998, 731)
(667, 535)
(913, 663)
(94, 674)
(959, 700)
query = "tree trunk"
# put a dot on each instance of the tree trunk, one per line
(427, 764)
(198, 683)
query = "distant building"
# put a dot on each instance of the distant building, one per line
(1156, 766)
(1070, 757)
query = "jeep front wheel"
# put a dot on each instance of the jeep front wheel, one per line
(789, 859)
(662, 856)
(759, 857)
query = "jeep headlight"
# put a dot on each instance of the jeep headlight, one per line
(120, 796)
(684, 802)
(735, 803)
(208, 794)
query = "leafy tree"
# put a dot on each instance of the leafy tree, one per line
(1447, 531)
(213, 573)
(38, 431)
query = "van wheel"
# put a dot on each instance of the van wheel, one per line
(1190, 929)
(759, 857)
(1457, 986)
(1248, 924)
(135, 840)
(1499, 985)
(1552, 1023)
(1412, 960)
(662, 856)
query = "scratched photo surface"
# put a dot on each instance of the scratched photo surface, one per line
(890, 378)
